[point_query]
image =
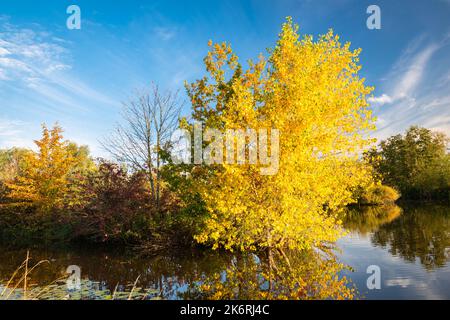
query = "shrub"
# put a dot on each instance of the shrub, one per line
(379, 195)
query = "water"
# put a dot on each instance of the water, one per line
(411, 246)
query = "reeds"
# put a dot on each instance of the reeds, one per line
(7, 292)
(18, 287)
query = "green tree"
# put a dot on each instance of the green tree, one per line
(416, 163)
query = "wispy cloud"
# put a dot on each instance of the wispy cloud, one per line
(38, 84)
(416, 91)
(413, 72)
(36, 60)
(3, 75)
(406, 75)
(381, 100)
(10, 132)
(28, 53)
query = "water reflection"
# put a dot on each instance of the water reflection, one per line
(421, 233)
(410, 244)
(368, 219)
(193, 275)
(295, 275)
(165, 276)
(414, 232)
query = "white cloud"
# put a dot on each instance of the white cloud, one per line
(36, 60)
(414, 73)
(381, 100)
(416, 91)
(14, 66)
(406, 75)
(9, 127)
(27, 51)
(10, 134)
(3, 75)
(4, 52)
(38, 84)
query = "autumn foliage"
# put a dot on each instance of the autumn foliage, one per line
(43, 181)
(311, 92)
(282, 225)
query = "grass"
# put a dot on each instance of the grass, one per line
(26, 293)
(19, 287)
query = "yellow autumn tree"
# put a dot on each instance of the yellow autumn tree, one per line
(43, 181)
(310, 91)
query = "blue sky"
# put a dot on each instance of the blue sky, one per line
(80, 77)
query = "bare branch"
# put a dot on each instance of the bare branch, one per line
(149, 119)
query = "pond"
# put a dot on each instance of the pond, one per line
(409, 245)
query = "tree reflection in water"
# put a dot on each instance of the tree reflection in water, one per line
(299, 275)
(368, 219)
(192, 275)
(414, 232)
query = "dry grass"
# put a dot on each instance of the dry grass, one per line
(23, 271)
(18, 286)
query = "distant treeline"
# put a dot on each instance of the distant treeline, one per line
(415, 163)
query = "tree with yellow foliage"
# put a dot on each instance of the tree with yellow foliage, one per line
(310, 91)
(43, 181)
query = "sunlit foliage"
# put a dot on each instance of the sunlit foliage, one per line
(416, 163)
(10, 167)
(379, 195)
(43, 180)
(311, 92)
